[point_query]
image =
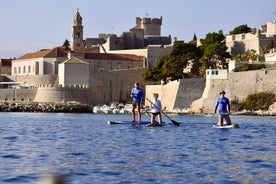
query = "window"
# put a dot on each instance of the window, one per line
(29, 69)
(214, 72)
(24, 69)
(78, 35)
(14, 70)
(243, 36)
(233, 38)
(19, 70)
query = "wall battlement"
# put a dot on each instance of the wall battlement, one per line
(157, 21)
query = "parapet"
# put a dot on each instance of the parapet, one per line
(157, 21)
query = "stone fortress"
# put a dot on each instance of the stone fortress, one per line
(94, 71)
(101, 70)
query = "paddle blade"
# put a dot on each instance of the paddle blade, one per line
(175, 123)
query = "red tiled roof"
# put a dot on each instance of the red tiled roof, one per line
(103, 56)
(47, 53)
(6, 62)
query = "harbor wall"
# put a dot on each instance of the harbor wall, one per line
(46, 94)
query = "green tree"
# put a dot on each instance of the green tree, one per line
(172, 64)
(240, 29)
(265, 50)
(155, 74)
(215, 52)
(66, 43)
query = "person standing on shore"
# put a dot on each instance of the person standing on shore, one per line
(223, 106)
(137, 95)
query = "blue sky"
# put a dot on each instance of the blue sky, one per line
(31, 25)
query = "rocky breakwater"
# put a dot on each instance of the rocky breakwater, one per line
(45, 107)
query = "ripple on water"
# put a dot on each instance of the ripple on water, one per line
(11, 156)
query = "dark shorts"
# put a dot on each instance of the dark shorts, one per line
(136, 103)
(156, 113)
(224, 117)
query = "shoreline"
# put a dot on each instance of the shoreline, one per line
(83, 108)
(45, 107)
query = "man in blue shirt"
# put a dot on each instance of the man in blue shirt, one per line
(223, 106)
(138, 96)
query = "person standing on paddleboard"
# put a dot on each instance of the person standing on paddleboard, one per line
(156, 108)
(138, 96)
(223, 106)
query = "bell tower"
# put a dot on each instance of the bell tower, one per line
(77, 32)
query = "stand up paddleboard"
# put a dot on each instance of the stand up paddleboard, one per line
(147, 123)
(227, 126)
(127, 123)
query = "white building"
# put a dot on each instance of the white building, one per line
(270, 58)
(73, 73)
(240, 43)
(44, 62)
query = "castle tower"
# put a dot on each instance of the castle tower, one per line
(77, 32)
(152, 26)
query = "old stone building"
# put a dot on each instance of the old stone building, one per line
(257, 39)
(146, 32)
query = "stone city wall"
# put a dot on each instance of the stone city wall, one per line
(46, 94)
(177, 94)
(34, 80)
(17, 95)
(62, 95)
(237, 86)
(114, 86)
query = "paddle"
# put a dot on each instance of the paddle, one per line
(173, 121)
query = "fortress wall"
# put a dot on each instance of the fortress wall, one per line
(251, 82)
(34, 80)
(237, 86)
(17, 95)
(177, 94)
(167, 93)
(60, 95)
(189, 91)
(114, 86)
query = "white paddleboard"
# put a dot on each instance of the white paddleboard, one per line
(227, 126)
(116, 122)
(147, 123)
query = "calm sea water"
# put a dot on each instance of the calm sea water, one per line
(84, 149)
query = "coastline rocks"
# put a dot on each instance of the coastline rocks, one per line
(44, 107)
